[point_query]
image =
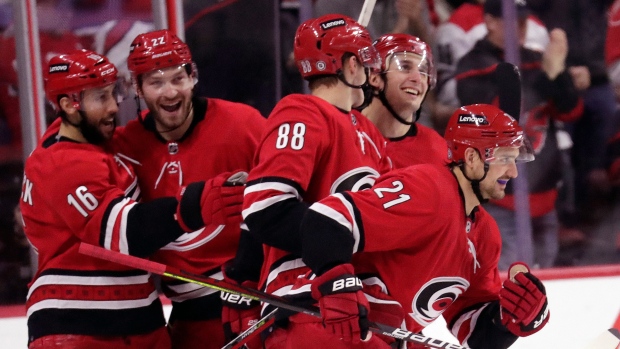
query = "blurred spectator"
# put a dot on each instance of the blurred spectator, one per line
(455, 38)
(389, 16)
(612, 48)
(612, 58)
(51, 43)
(112, 38)
(549, 97)
(585, 24)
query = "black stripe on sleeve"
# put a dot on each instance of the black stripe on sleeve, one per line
(151, 226)
(358, 221)
(278, 225)
(326, 243)
(286, 181)
(106, 216)
(486, 334)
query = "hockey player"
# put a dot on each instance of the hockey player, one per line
(184, 138)
(313, 146)
(412, 213)
(75, 191)
(407, 75)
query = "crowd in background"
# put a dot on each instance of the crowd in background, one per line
(582, 187)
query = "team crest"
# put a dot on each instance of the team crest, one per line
(435, 297)
(355, 180)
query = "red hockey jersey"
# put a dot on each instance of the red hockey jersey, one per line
(412, 229)
(74, 192)
(421, 145)
(310, 149)
(223, 137)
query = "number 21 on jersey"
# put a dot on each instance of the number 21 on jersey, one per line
(397, 187)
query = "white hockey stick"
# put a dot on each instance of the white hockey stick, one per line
(367, 8)
(610, 339)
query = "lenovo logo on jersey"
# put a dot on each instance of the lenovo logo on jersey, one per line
(333, 23)
(235, 299)
(435, 343)
(472, 119)
(59, 68)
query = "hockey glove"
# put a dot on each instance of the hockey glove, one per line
(216, 201)
(523, 304)
(344, 308)
(240, 313)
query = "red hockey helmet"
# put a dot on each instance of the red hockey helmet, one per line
(321, 42)
(485, 127)
(157, 50)
(75, 72)
(390, 44)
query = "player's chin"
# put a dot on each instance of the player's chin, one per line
(107, 135)
(498, 194)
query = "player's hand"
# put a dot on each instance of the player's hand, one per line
(216, 201)
(240, 313)
(523, 304)
(344, 308)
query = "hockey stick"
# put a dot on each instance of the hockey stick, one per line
(610, 339)
(246, 335)
(367, 8)
(220, 285)
(508, 80)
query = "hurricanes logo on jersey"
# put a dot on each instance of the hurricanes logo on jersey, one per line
(355, 180)
(435, 297)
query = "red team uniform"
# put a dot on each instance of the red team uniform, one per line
(311, 149)
(421, 145)
(223, 137)
(400, 227)
(94, 202)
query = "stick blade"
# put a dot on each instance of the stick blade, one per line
(610, 339)
(508, 82)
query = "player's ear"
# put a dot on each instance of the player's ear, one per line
(375, 80)
(471, 156)
(69, 106)
(351, 64)
(136, 87)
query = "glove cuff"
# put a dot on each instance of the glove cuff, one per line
(189, 214)
(524, 330)
(340, 279)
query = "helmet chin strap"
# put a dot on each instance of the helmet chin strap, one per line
(475, 183)
(386, 104)
(366, 88)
